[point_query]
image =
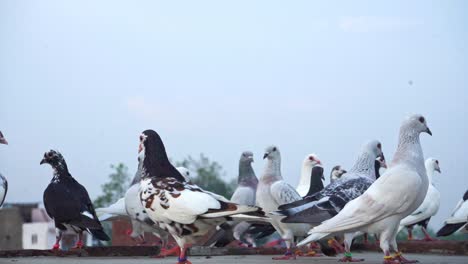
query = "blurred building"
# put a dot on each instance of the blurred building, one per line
(26, 226)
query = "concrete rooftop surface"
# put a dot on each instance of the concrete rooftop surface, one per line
(370, 258)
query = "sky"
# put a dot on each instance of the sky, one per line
(220, 77)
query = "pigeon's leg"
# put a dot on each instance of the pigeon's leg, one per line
(79, 243)
(427, 236)
(377, 242)
(336, 245)
(182, 256)
(58, 237)
(398, 256)
(385, 238)
(366, 239)
(288, 255)
(410, 233)
(348, 257)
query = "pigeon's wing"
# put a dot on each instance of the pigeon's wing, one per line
(60, 209)
(244, 195)
(283, 193)
(184, 202)
(381, 200)
(332, 201)
(427, 209)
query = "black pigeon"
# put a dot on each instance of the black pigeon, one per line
(67, 202)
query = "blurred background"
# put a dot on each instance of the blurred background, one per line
(215, 78)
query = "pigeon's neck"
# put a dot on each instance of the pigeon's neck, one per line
(272, 170)
(157, 165)
(409, 151)
(60, 172)
(430, 173)
(305, 175)
(247, 175)
(364, 165)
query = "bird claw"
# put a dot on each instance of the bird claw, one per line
(79, 245)
(404, 260)
(56, 247)
(168, 252)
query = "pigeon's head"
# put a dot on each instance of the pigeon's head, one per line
(374, 148)
(311, 160)
(381, 161)
(416, 124)
(185, 173)
(337, 172)
(246, 157)
(150, 142)
(272, 153)
(53, 157)
(433, 164)
(2, 139)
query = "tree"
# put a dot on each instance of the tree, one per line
(115, 189)
(209, 175)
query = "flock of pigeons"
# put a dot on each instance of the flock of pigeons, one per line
(370, 198)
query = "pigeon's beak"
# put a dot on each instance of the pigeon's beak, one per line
(43, 161)
(437, 168)
(318, 162)
(383, 164)
(265, 155)
(3, 141)
(343, 172)
(428, 131)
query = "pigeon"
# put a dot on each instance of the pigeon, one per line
(458, 219)
(67, 203)
(272, 192)
(428, 208)
(380, 167)
(131, 207)
(336, 173)
(182, 208)
(245, 195)
(3, 180)
(392, 197)
(305, 183)
(330, 201)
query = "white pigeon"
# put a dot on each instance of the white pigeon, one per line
(182, 208)
(273, 191)
(3, 180)
(458, 219)
(309, 162)
(428, 208)
(392, 197)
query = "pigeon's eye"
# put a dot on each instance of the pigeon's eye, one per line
(421, 119)
(274, 149)
(50, 154)
(311, 158)
(379, 146)
(437, 162)
(141, 138)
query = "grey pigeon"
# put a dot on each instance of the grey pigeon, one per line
(272, 192)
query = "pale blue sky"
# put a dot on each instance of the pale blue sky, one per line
(220, 77)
